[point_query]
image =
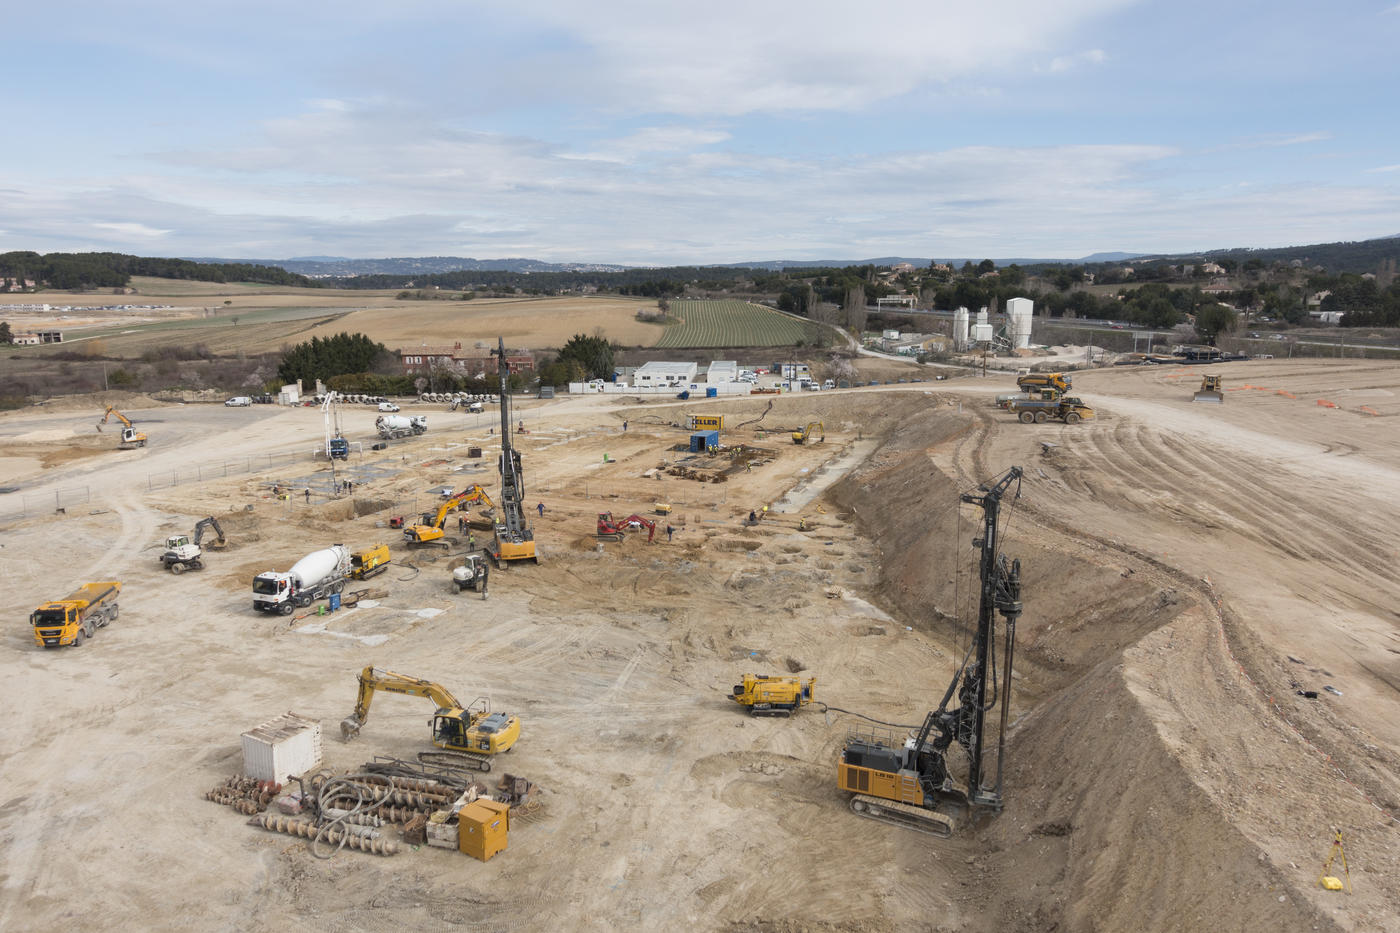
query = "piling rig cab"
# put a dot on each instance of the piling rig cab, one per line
(515, 540)
(473, 732)
(909, 783)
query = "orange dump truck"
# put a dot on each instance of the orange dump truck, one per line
(77, 616)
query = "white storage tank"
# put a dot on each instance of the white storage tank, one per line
(282, 747)
(1019, 312)
(960, 328)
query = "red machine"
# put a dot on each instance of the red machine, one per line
(607, 528)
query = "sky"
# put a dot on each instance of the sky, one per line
(656, 134)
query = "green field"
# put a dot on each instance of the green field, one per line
(732, 324)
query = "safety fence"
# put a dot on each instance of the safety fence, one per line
(198, 473)
(24, 505)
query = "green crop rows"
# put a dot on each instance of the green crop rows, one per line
(731, 324)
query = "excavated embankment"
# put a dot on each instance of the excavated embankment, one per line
(1103, 829)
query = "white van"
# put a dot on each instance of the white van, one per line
(238, 401)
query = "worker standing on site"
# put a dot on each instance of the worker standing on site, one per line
(669, 531)
(753, 517)
(485, 576)
(308, 495)
(471, 541)
(624, 427)
(541, 508)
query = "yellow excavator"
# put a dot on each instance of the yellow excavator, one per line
(804, 435)
(430, 531)
(474, 733)
(130, 436)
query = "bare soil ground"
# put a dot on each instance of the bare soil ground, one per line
(1189, 569)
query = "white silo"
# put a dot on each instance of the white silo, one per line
(1019, 312)
(960, 328)
(982, 331)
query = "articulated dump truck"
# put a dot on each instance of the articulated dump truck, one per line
(76, 617)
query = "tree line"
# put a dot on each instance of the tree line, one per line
(114, 270)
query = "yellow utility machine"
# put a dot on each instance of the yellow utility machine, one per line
(430, 530)
(130, 436)
(77, 616)
(369, 562)
(515, 539)
(804, 435)
(773, 696)
(1034, 382)
(474, 732)
(1210, 391)
(908, 782)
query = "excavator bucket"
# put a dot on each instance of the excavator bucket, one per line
(349, 728)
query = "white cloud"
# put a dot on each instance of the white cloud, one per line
(1384, 168)
(741, 57)
(126, 229)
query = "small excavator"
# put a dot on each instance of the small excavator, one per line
(607, 528)
(805, 434)
(184, 553)
(430, 531)
(130, 436)
(908, 783)
(472, 733)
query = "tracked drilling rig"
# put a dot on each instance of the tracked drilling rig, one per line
(909, 783)
(515, 540)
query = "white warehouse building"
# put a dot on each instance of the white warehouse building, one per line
(664, 374)
(722, 371)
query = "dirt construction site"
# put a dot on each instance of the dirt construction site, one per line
(1206, 688)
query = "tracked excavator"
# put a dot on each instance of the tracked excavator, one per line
(805, 434)
(607, 528)
(472, 734)
(430, 529)
(910, 783)
(515, 539)
(130, 436)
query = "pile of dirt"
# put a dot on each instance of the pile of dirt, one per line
(1103, 828)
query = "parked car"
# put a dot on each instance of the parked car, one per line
(388, 406)
(238, 401)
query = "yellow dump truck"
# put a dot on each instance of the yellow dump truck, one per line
(76, 617)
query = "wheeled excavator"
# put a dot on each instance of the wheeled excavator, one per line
(515, 540)
(473, 733)
(429, 530)
(607, 528)
(183, 552)
(130, 436)
(803, 435)
(909, 783)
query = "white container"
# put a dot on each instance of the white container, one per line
(282, 747)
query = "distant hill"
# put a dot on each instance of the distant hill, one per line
(1357, 256)
(320, 267)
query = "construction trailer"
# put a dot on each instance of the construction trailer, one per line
(703, 441)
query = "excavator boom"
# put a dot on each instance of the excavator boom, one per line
(372, 680)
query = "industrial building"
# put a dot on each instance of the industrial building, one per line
(664, 374)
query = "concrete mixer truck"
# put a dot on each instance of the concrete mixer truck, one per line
(391, 426)
(316, 575)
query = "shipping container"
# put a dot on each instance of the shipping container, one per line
(282, 747)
